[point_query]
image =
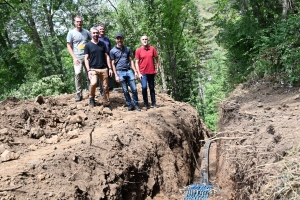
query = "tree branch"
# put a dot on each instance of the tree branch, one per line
(5, 2)
(113, 6)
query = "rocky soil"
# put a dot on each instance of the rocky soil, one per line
(55, 148)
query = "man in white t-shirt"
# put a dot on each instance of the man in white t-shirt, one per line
(76, 40)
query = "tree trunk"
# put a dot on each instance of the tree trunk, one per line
(55, 46)
(9, 59)
(34, 35)
(163, 78)
(284, 9)
(201, 96)
(162, 70)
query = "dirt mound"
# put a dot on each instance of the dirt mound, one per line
(54, 148)
(258, 157)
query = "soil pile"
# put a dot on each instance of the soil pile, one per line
(56, 148)
(258, 145)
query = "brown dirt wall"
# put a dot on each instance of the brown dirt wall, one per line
(55, 148)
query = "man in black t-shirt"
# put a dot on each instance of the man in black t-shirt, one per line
(97, 63)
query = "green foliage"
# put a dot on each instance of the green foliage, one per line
(33, 39)
(47, 86)
(213, 87)
(5, 78)
(279, 51)
(68, 71)
(216, 88)
(244, 25)
(237, 38)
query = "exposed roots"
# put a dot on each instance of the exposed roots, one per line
(256, 179)
(285, 183)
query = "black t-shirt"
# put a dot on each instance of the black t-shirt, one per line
(96, 54)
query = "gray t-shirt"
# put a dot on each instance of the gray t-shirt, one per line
(78, 40)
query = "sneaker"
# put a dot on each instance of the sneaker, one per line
(92, 102)
(136, 107)
(78, 97)
(154, 106)
(130, 107)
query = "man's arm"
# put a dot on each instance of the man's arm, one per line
(109, 44)
(115, 71)
(70, 50)
(86, 62)
(132, 65)
(137, 67)
(108, 61)
(87, 65)
(157, 63)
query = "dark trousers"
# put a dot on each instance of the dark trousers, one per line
(148, 79)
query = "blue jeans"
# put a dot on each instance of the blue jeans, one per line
(127, 78)
(148, 78)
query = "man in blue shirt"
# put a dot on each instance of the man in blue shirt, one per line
(121, 59)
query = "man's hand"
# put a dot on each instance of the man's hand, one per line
(90, 74)
(117, 78)
(76, 61)
(140, 76)
(156, 68)
(110, 72)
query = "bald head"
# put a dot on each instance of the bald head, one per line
(144, 40)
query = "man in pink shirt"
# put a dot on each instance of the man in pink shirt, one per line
(147, 64)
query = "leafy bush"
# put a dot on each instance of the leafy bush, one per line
(47, 86)
(279, 51)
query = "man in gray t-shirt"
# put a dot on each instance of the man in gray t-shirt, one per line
(76, 40)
